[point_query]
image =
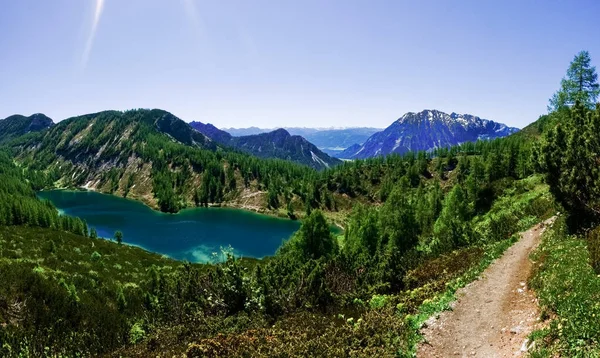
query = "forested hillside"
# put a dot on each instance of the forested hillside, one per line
(17, 125)
(149, 155)
(317, 294)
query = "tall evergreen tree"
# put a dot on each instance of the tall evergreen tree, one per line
(580, 84)
(314, 239)
(118, 237)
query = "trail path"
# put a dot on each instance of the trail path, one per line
(492, 316)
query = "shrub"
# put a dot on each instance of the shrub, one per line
(96, 256)
(378, 301)
(137, 333)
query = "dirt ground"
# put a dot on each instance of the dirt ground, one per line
(492, 316)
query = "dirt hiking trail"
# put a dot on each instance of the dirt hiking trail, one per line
(493, 315)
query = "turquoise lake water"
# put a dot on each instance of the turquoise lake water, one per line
(192, 234)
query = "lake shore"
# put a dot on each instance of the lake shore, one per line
(336, 218)
(192, 234)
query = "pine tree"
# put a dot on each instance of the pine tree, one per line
(118, 237)
(452, 227)
(398, 220)
(580, 84)
(314, 238)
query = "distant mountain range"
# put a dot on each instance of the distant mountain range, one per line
(315, 147)
(274, 144)
(427, 130)
(329, 140)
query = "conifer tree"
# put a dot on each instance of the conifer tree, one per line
(118, 237)
(580, 84)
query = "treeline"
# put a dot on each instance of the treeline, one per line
(20, 206)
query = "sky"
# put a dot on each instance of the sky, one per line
(291, 63)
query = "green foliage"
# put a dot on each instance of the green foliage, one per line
(568, 290)
(378, 301)
(70, 309)
(314, 239)
(137, 333)
(452, 228)
(570, 157)
(399, 227)
(362, 234)
(580, 84)
(96, 256)
(118, 237)
(17, 126)
(390, 255)
(593, 245)
(19, 205)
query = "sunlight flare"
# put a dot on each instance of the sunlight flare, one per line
(90, 41)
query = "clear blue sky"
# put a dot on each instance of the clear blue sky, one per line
(273, 63)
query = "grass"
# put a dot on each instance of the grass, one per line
(569, 294)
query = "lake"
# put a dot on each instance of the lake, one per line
(192, 234)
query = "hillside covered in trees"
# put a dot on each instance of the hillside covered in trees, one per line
(17, 125)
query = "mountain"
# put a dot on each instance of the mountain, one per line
(275, 144)
(154, 157)
(238, 132)
(329, 140)
(427, 130)
(18, 125)
(334, 141)
(212, 132)
(149, 155)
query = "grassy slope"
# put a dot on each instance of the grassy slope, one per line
(60, 281)
(569, 292)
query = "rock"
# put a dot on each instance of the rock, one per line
(524, 346)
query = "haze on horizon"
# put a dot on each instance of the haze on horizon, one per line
(290, 64)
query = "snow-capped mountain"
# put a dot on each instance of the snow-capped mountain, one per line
(427, 130)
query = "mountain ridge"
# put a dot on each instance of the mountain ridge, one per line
(18, 125)
(427, 130)
(278, 143)
(330, 140)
